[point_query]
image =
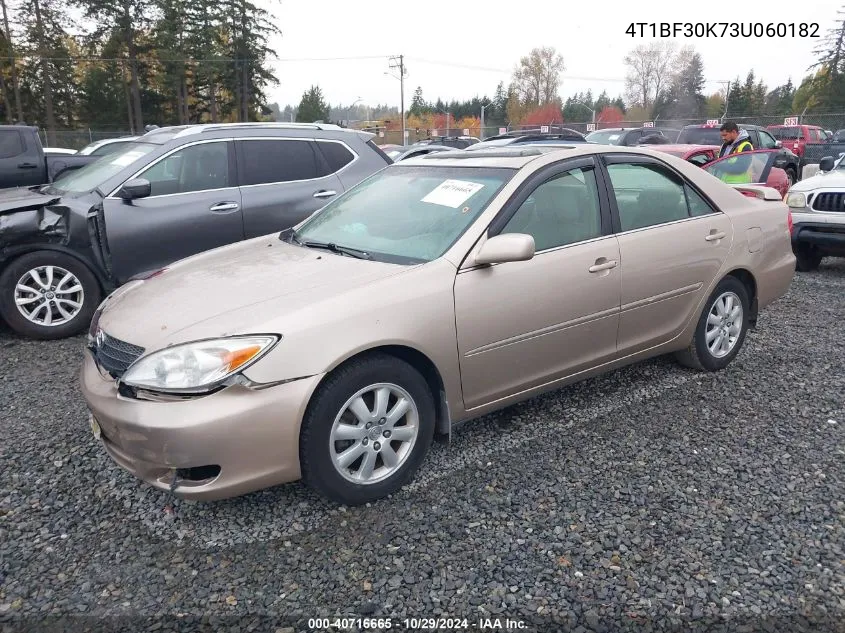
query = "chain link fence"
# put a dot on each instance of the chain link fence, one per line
(77, 139)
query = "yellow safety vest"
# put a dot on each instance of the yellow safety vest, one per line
(743, 177)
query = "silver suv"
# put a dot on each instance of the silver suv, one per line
(169, 194)
(818, 214)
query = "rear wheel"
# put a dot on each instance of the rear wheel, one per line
(721, 328)
(807, 258)
(48, 295)
(367, 430)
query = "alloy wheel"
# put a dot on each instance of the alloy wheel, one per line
(49, 295)
(374, 433)
(724, 324)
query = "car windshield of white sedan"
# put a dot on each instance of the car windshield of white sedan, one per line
(407, 214)
(94, 174)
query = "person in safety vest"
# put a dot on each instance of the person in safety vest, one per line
(735, 141)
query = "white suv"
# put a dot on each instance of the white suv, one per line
(818, 214)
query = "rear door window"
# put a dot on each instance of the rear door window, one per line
(266, 161)
(11, 143)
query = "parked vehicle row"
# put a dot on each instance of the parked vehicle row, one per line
(339, 346)
(172, 193)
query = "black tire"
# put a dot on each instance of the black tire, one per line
(698, 354)
(91, 295)
(792, 175)
(316, 462)
(807, 258)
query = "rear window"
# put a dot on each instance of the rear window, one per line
(700, 136)
(379, 151)
(786, 133)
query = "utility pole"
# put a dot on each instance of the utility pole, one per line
(481, 131)
(400, 64)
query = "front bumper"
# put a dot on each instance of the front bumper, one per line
(828, 234)
(252, 435)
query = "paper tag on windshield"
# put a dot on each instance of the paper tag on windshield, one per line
(126, 159)
(452, 193)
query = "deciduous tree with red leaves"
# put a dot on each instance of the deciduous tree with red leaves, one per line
(544, 115)
(610, 114)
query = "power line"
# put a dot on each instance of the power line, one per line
(502, 70)
(189, 59)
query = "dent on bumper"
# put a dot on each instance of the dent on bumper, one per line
(252, 434)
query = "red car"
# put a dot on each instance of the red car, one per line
(696, 154)
(796, 137)
(761, 163)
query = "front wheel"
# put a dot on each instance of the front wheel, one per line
(721, 328)
(367, 430)
(807, 258)
(791, 175)
(48, 295)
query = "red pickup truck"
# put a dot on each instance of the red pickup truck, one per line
(796, 137)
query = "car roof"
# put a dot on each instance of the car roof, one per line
(682, 147)
(164, 134)
(518, 157)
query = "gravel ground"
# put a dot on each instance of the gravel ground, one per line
(652, 498)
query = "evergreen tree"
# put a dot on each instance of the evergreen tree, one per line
(312, 107)
(418, 104)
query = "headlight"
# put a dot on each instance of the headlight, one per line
(796, 200)
(199, 366)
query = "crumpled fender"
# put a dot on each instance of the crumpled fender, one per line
(42, 224)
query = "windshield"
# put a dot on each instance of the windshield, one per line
(406, 214)
(605, 137)
(92, 175)
(488, 144)
(700, 136)
(745, 167)
(786, 133)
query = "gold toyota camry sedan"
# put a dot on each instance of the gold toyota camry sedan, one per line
(439, 289)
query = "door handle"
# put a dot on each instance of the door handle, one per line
(27, 165)
(602, 265)
(325, 194)
(223, 207)
(712, 237)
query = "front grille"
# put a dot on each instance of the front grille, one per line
(113, 355)
(829, 202)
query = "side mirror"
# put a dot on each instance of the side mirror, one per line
(135, 188)
(508, 247)
(826, 163)
(778, 144)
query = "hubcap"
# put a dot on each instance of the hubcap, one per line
(49, 295)
(374, 433)
(724, 324)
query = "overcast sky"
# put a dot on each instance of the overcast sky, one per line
(489, 38)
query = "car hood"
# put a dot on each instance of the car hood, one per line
(834, 178)
(24, 198)
(245, 287)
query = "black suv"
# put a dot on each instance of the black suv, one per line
(629, 137)
(759, 136)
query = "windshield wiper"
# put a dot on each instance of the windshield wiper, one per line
(293, 238)
(336, 248)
